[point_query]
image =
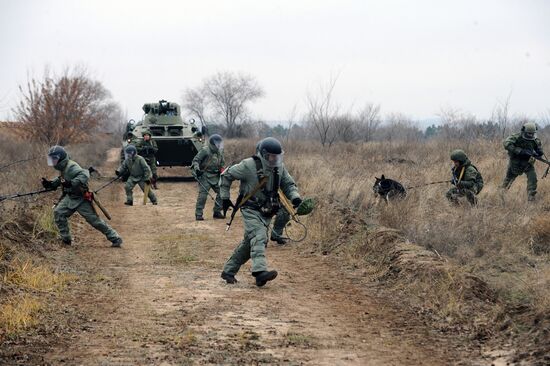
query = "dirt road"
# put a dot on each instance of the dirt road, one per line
(159, 300)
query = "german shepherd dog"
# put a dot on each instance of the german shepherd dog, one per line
(388, 189)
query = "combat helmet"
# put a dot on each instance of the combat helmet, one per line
(271, 152)
(529, 131)
(55, 155)
(459, 155)
(216, 141)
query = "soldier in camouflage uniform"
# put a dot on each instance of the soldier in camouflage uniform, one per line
(207, 166)
(75, 198)
(467, 180)
(261, 177)
(137, 171)
(148, 149)
(522, 149)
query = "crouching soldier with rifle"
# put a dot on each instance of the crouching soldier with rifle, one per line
(76, 197)
(135, 170)
(262, 177)
(206, 168)
(467, 180)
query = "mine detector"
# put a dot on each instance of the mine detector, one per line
(178, 141)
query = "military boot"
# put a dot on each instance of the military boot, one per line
(264, 276)
(129, 203)
(67, 241)
(199, 218)
(218, 215)
(229, 278)
(279, 239)
(116, 243)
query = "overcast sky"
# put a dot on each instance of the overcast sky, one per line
(413, 57)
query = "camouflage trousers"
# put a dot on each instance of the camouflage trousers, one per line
(152, 162)
(129, 188)
(516, 169)
(252, 246)
(454, 194)
(64, 209)
(282, 218)
(205, 185)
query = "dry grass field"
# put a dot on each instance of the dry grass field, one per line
(482, 271)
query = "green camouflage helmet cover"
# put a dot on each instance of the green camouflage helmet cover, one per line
(306, 207)
(528, 131)
(459, 155)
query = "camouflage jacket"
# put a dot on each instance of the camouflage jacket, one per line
(71, 171)
(208, 160)
(515, 143)
(147, 149)
(471, 178)
(136, 168)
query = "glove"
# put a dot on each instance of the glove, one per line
(538, 152)
(199, 173)
(147, 181)
(527, 153)
(67, 184)
(117, 173)
(47, 184)
(296, 202)
(155, 177)
(226, 203)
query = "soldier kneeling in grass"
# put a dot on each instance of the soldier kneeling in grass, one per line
(467, 180)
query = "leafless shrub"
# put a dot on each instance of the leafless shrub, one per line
(223, 98)
(59, 108)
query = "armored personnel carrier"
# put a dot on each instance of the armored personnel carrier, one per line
(178, 141)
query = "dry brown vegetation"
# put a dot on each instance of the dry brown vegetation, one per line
(479, 272)
(484, 270)
(27, 276)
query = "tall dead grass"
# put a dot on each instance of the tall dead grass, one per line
(28, 229)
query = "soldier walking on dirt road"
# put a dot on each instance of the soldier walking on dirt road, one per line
(76, 197)
(467, 180)
(207, 166)
(262, 178)
(134, 168)
(523, 148)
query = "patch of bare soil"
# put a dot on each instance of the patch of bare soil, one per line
(159, 300)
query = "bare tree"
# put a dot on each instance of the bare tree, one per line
(194, 100)
(369, 120)
(291, 121)
(59, 108)
(346, 127)
(226, 95)
(322, 113)
(501, 115)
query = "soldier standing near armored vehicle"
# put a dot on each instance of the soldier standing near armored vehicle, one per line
(523, 149)
(207, 166)
(136, 171)
(76, 197)
(466, 179)
(147, 148)
(261, 177)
